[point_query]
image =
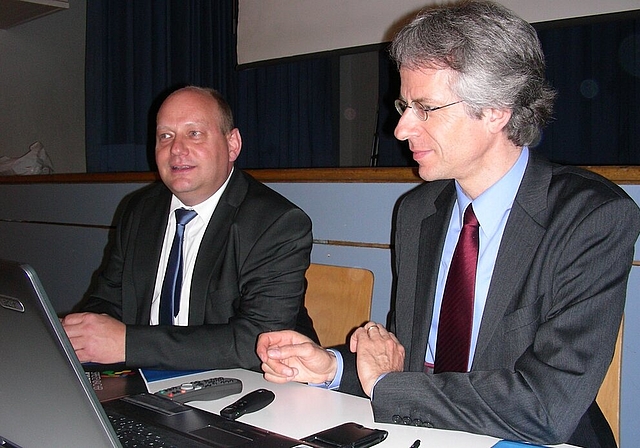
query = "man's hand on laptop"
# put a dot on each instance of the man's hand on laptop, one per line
(96, 337)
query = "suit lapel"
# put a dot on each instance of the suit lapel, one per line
(148, 245)
(213, 244)
(433, 231)
(522, 235)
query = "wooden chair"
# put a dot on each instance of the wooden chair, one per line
(608, 397)
(338, 300)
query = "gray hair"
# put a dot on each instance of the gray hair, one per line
(496, 56)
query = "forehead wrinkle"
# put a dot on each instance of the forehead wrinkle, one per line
(187, 124)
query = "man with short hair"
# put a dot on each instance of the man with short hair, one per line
(245, 252)
(515, 340)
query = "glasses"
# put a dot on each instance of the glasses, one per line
(420, 111)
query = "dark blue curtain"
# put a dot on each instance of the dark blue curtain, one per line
(284, 111)
(140, 50)
(391, 152)
(596, 70)
(595, 67)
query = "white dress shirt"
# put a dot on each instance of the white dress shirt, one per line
(193, 234)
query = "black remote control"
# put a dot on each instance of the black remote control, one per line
(252, 402)
(203, 390)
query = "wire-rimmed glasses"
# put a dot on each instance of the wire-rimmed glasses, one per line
(419, 110)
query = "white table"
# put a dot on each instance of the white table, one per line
(300, 410)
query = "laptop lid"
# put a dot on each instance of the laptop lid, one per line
(46, 397)
(47, 400)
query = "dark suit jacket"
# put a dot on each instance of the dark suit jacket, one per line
(551, 318)
(248, 278)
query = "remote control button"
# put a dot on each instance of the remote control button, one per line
(208, 389)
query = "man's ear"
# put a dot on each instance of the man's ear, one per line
(497, 119)
(234, 141)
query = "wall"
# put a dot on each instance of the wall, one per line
(42, 87)
(62, 230)
(273, 29)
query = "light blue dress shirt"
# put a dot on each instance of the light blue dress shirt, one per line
(492, 210)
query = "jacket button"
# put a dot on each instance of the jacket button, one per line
(396, 419)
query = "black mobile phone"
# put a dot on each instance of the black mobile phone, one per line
(347, 435)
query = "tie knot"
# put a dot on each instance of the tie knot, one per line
(470, 217)
(183, 216)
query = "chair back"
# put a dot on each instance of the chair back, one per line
(338, 299)
(608, 397)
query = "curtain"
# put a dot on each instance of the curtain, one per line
(138, 51)
(596, 70)
(285, 115)
(391, 151)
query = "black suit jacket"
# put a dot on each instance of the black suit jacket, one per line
(248, 278)
(551, 318)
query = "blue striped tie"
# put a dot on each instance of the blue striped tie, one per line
(172, 285)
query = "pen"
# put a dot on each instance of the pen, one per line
(415, 444)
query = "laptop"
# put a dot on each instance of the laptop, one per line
(47, 400)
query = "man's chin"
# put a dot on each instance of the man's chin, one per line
(180, 187)
(427, 173)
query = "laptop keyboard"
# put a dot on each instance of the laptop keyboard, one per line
(132, 433)
(95, 379)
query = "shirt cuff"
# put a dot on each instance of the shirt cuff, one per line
(335, 383)
(375, 384)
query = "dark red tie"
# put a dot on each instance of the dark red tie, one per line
(456, 312)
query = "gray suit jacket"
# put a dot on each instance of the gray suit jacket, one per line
(552, 313)
(248, 278)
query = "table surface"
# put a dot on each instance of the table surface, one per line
(300, 410)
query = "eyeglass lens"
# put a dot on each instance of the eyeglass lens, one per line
(418, 109)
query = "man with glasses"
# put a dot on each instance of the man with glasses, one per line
(510, 271)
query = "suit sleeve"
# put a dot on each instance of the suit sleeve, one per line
(106, 296)
(571, 323)
(265, 284)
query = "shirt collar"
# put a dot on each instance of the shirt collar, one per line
(492, 204)
(206, 208)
